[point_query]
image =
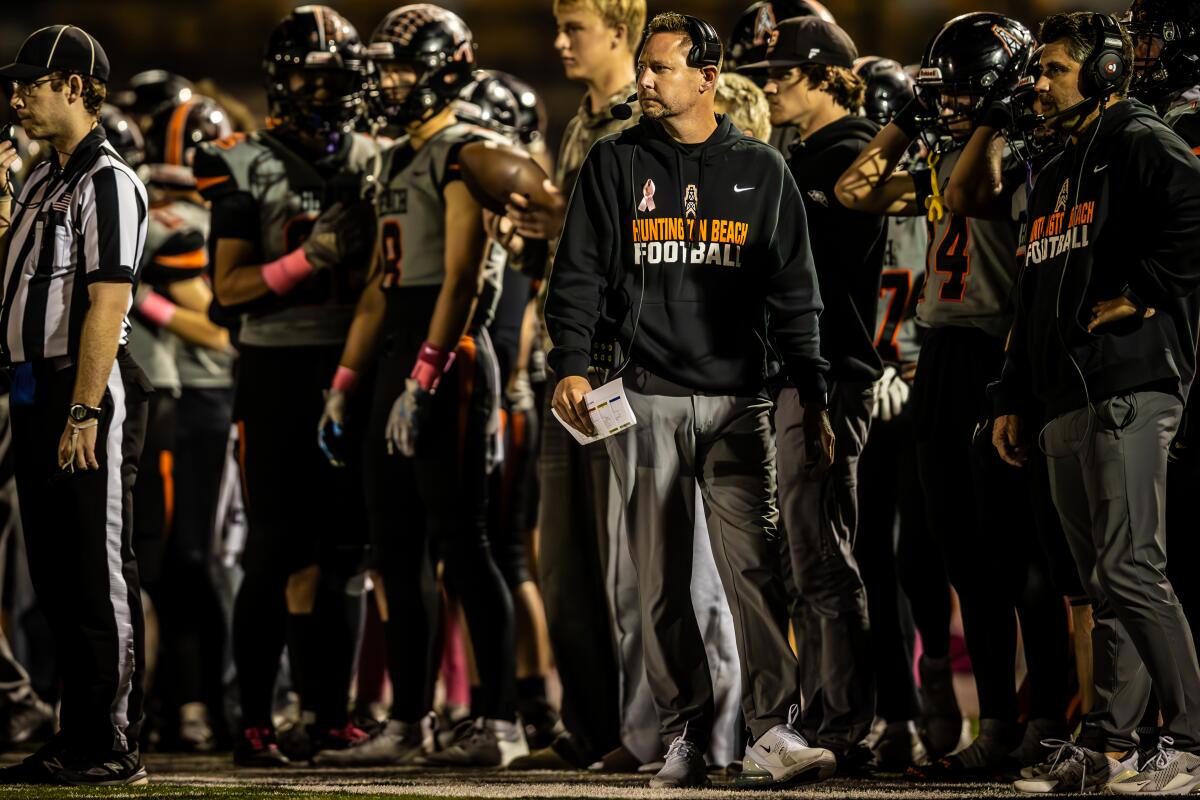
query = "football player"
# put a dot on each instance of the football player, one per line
(966, 303)
(186, 356)
(290, 245)
(427, 429)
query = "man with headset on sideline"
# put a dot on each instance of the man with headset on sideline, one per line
(72, 244)
(1105, 339)
(701, 230)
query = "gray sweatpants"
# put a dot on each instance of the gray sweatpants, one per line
(820, 518)
(1108, 479)
(724, 444)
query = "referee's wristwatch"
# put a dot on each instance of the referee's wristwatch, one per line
(82, 413)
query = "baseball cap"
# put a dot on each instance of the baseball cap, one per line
(806, 40)
(58, 47)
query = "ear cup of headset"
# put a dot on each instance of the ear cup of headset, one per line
(1105, 69)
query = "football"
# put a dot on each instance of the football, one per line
(492, 171)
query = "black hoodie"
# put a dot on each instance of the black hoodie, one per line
(847, 247)
(1122, 218)
(687, 250)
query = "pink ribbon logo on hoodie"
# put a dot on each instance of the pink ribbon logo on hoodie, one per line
(647, 203)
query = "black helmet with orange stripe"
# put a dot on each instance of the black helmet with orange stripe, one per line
(174, 131)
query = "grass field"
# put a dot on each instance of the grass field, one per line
(215, 777)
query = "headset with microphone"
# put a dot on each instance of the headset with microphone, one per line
(705, 52)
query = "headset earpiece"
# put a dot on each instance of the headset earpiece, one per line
(706, 44)
(1105, 69)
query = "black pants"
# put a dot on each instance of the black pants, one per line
(154, 492)
(980, 511)
(509, 520)
(434, 507)
(892, 556)
(573, 531)
(189, 608)
(302, 512)
(78, 539)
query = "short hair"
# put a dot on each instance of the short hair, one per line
(630, 13)
(847, 89)
(94, 90)
(745, 103)
(674, 22)
(1079, 30)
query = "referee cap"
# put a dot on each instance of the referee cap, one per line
(58, 47)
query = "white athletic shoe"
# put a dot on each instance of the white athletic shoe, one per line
(1071, 768)
(1167, 772)
(781, 756)
(396, 744)
(483, 743)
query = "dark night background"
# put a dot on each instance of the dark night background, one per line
(223, 39)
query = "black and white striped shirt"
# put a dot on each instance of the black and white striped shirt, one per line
(71, 227)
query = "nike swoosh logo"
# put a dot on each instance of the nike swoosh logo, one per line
(1101, 168)
(737, 188)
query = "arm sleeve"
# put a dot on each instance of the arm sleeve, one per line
(793, 297)
(586, 249)
(112, 215)
(1169, 241)
(179, 258)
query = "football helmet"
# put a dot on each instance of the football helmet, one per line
(889, 87)
(499, 100)
(123, 133)
(173, 133)
(437, 45)
(974, 59)
(316, 73)
(1166, 46)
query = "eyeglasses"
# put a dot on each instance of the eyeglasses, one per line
(24, 88)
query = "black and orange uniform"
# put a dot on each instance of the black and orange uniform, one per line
(433, 506)
(966, 304)
(175, 251)
(267, 190)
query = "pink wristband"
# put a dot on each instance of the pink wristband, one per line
(156, 308)
(432, 363)
(345, 379)
(282, 274)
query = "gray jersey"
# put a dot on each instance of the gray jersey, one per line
(971, 264)
(896, 335)
(176, 235)
(411, 207)
(290, 192)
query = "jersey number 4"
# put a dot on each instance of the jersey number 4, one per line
(953, 259)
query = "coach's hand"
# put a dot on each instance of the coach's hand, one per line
(535, 221)
(819, 441)
(1007, 439)
(77, 446)
(502, 231)
(1106, 312)
(570, 404)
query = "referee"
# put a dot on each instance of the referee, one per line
(71, 244)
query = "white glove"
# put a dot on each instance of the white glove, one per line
(407, 419)
(891, 393)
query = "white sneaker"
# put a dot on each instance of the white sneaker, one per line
(483, 743)
(397, 744)
(781, 755)
(1167, 772)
